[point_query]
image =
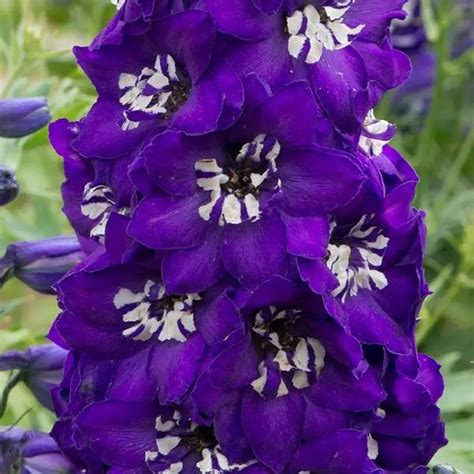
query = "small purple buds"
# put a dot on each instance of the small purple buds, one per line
(40, 264)
(8, 186)
(20, 117)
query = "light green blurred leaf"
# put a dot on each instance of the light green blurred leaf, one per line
(460, 396)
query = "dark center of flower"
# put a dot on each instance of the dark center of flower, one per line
(323, 16)
(240, 183)
(165, 303)
(282, 328)
(179, 95)
(201, 438)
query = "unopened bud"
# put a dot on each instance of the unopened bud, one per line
(41, 263)
(8, 186)
(23, 116)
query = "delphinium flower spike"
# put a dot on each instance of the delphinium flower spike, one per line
(253, 271)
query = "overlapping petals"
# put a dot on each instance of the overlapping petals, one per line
(253, 264)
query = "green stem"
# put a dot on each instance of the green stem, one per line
(12, 382)
(433, 319)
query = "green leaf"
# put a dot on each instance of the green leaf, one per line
(459, 395)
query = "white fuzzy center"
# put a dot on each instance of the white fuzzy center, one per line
(235, 193)
(293, 362)
(98, 202)
(314, 30)
(375, 135)
(355, 262)
(153, 312)
(148, 93)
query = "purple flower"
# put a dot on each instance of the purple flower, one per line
(9, 188)
(410, 431)
(40, 263)
(39, 367)
(31, 452)
(339, 47)
(165, 440)
(134, 314)
(161, 79)
(95, 191)
(279, 359)
(232, 201)
(253, 269)
(23, 116)
(409, 34)
(283, 395)
(414, 97)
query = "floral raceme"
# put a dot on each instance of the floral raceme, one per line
(252, 270)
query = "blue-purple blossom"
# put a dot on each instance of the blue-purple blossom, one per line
(39, 367)
(31, 452)
(253, 270)
(9, 187)
(40, 263)
(23, 116)
(409, 36)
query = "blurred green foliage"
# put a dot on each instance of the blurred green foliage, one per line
(36, 37)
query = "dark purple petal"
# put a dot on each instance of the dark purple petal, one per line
(129, 426)
(430, 377)
(193, 270)
(235, 367)
(337, 388)
(177, 176)
(253, 252)
(230, 434)
(307, 236)
(273, 427)
(241, 19)
(170, 358)
(319, 180)
(368, 322)
(344, 452)
(201, 112)
(169, 222)
(189, 38)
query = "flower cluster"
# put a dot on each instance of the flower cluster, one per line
(253, 267)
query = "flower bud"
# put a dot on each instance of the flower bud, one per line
(445, 469)
(39, 367)
(31, 451)
(8, 186)
(23, 116)
(41, 263)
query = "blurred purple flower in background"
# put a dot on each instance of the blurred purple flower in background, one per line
(23, 116)
(39, 367)
(31, 452)
(41, 263)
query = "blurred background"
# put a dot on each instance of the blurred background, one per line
(434, 114)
